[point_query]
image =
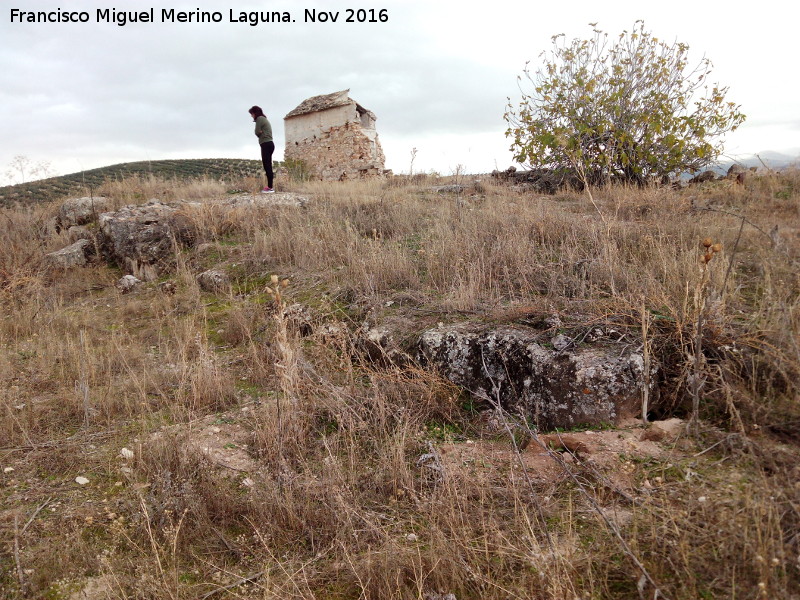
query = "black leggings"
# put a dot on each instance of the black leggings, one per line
(267, 148)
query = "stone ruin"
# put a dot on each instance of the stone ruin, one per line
(334, 137)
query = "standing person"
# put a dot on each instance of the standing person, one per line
(264, 134)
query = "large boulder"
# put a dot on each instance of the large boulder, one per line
(80, 211)
(555, 382)
(142, 239)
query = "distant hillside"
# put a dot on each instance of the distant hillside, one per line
(768, 158)
(81, 183)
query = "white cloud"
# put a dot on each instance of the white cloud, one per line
(437, 75)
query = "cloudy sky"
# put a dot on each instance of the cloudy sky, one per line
(437, 75)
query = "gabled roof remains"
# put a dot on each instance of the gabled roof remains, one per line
(318, 103)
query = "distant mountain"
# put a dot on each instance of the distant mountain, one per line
(86, 182)
(769, 158)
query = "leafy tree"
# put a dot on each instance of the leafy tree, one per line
(631, 111)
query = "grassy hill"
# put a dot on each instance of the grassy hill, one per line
(259, 440)
(45, 190)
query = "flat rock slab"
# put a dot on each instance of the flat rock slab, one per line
(274, 199)
(585, 384)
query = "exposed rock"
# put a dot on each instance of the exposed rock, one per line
(80, 211)
(142, 239)
(332, 333)
(276, 199)
(128, 283)
(380, 343)
(99, 587)
(74, 255)
(663, 431)
(738, 173)
(561, 342)
(448, 189)
(213, 281)
(79, 232)
(544, 181)
(703, 177)
(590, 384)
(299, 318)
(735, 169)
(504, 175)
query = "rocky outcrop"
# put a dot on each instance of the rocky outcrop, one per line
(569, 384)
(80, 211)
(735, 169)
(737, 173)
(142, 239)
(703, 177)
(543, 181)
(74, 255)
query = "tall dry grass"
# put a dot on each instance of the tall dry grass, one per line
(351, 495)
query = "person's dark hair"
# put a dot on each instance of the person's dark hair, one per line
(256, 112)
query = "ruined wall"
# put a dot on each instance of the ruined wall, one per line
(343, 151)
(305, 127)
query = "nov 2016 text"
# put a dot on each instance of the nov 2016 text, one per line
(122, 18)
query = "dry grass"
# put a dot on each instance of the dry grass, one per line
(340, 490)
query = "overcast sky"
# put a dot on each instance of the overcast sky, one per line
(437, 75)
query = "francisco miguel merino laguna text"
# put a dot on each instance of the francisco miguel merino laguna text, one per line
(170, 15)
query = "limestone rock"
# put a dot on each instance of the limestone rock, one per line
(213, 280)
(142, 239)
(74, 255)
(80, 211)
(276, 199)
(589, 384)
(79, 232)
(448, 189)
(382, 343)
(128, 283)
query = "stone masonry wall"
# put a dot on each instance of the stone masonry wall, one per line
(339, 153)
